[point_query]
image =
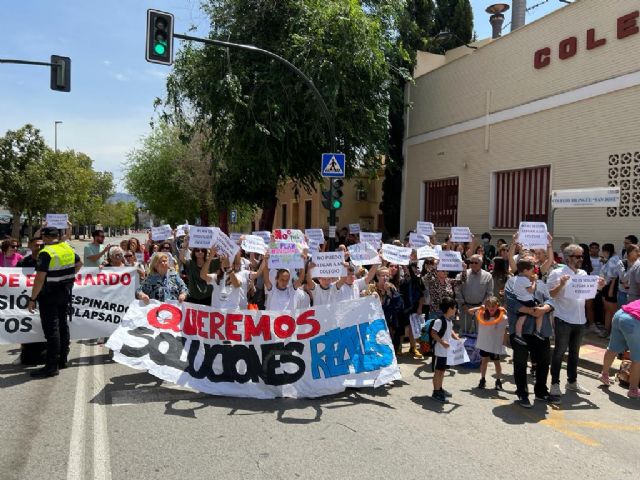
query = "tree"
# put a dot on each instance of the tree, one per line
(263, 124)
(118, 215)
(20, 150)
(455, 16)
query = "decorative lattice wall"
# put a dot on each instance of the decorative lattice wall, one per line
(624, 172)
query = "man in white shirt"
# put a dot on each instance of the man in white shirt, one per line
(569, 321)
(349, 287)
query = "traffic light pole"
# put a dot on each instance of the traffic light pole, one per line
(307, 80)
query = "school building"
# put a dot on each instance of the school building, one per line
(492, 132)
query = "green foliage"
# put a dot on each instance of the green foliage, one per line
(263, 123)
(455, 16)
(118, 214)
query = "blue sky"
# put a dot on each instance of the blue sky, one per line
(112, 86)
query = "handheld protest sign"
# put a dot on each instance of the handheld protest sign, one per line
(57, 220)
(450, 261)
(397, 255)
(161, 233)
(460, 234)
(533, 235)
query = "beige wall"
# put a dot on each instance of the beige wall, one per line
(575, 139)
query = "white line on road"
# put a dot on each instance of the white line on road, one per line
(75, 464)
(101, 453)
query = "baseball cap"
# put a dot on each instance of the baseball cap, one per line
(50, 232)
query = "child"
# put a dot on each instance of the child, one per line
(442, 332)
(492, 323)
(524, 288)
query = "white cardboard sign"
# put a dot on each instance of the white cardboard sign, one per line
(315, 234)
(533, 235)
(332, 231)
(583, 287)
(225, 245)
(329, 265)
(450, 261)
(427, 252)
(235, 236)
(57, 220)
(364, 254)
(182, 230)
(397, 255)
(254, 244)
(354, 228)
(161, 233)
(417, 240)
(285, 255)
(372, 238)
(201, 237)
(264, 234)
(456, 353)
(460, 234)
(424, 228)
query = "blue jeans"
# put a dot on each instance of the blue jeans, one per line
(622, 298)
(568, 336)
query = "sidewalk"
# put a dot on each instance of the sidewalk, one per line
(592, 353)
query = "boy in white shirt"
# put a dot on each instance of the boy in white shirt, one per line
(524, 288)
(448, 306)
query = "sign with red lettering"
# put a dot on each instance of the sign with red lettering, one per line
(263, 354)
(101, 297)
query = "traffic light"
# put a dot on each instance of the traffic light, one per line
(159, 37)
(60, 73)
(332, 198)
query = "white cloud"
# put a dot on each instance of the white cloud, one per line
(120, 77)
(107, 62)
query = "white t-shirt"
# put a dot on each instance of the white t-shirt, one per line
(596, 264)
(322, 296)
(227, 296)
(348, 292)
(440, 351)
(301, 299)
(566, 307)
(280, 299)
(520, 285)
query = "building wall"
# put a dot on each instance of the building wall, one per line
(575, 139)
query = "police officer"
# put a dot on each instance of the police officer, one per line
(56, 268)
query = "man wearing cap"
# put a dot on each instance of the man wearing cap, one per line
(56, 269)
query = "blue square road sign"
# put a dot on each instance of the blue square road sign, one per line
(333, 165)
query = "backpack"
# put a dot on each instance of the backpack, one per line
(427, 342)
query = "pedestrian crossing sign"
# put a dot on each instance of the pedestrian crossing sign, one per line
(333, 165)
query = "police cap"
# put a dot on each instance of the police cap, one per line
(50, 232)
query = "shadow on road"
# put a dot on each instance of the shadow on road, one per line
(428, 403)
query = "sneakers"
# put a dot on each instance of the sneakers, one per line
(519, 340)
(524, 402)
(635, 393)
(555, 390)
(445, 393)
(552, 399)
(576, 387)
(438, 396)
(44, 372)
(604, 379)
(482, 384)
(416, 354)
(498, 384)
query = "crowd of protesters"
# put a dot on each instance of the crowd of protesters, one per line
(504, 294)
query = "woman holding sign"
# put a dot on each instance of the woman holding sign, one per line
(230, 283)
(392, 304)
(282, 295)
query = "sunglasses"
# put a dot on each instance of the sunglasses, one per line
(476, 263)
(128, 256)
(199, 250)
(13, 246)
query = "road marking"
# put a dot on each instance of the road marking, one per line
(101, 453)
(75, 463)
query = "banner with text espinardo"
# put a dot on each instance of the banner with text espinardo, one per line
(262, 354)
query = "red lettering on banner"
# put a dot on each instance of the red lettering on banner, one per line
(542, 58)
(592, 43)
(628, 25)
(284, 326)
(231, 327)
(31, 279)
(166, 323)
(262, 329)
(113, 278)
(568, 48)
(189, 327)
(88, 280)
(202, 331)
(14, 280)
(305, 319)
(125, 279)
(102, 279)
(217, 321)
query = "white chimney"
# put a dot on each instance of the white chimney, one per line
(518, 14)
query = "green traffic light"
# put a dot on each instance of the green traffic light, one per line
(160, 48)
(336, 204)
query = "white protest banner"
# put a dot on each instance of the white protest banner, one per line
(57, 220)
(332, 231)
(533, 235)
(417, 240)
(427, 252)
(182, 230)
(100, 300)
(225, 246)
(201, 237)
(289, 235)
(456, 353)
(397, 255)
(235, 236)
(354, 228)
(161, 233)
(254, 244)
(264, 234)
(285, 255)
(298, 353)
(583, 287)
(450, 261)
(329, 265)
(315, 234)
(364, 254)
(460, 234)
(424, 228)
(586, 197)
(372, 238)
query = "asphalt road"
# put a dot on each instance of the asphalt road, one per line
(106, 421)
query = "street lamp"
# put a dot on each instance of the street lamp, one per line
(446, 35)
(56, 134)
